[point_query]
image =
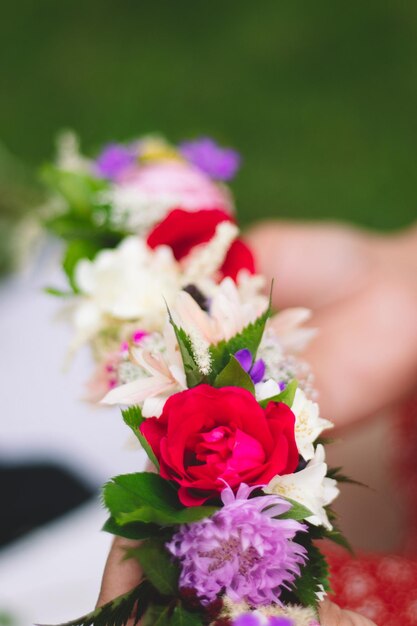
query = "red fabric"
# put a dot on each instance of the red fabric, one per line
(183, 230)
(384, 587)
(206, 433)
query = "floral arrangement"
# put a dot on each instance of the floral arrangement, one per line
(164, 290)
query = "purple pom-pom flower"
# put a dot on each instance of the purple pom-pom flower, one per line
(243, 550)
(219, 163)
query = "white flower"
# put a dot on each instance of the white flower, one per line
(228, 313)
(309, 487)
(164, 376)
(308, 424)
(128, 283)
(266, 389)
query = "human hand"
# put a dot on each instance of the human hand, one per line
(121, 575)
(362, 288)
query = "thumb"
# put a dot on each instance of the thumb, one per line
(313, 264)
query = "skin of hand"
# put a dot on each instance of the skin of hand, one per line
(122, 575)
(362, 289)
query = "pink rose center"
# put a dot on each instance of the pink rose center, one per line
(230, 451)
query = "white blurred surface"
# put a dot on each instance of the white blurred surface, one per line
(53, 574)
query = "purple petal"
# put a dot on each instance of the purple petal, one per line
(113, 160)
(257, 372)
(248, 619)
(280, 621)
(245, 358)
(219, 163)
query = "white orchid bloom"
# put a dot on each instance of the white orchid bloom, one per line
(308, 424)
(309, 487)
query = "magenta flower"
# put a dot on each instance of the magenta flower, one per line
(219, 163)
(242, 550)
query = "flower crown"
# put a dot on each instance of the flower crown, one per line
(164, 290)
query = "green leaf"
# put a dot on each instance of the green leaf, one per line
(158, 566)
(182, 617)
(53, 291)
(192, 373)
(79, 190)
(314, 575)
(233, 375)
(77, 250)
(133, 418)
(286, 396)
(135, 530)
(336, 474)
(117, 612)
(337, 537)
(297, 511)
(250, 338)
(146, 497)
(157, 616)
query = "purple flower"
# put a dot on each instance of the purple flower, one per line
(113, 160)
(242, 550)
(255, 619)
(255, 371)
(219, 163)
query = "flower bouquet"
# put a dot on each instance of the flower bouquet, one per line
(164, 290)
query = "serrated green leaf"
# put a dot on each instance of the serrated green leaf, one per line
(250, 338)
(135, 530)
(314, 577)
(133, 418)
(192, 373)
(182, 617)
(337, 537)
(297, 511)
(286, 396)
(146, 497)
(158, 566)
(119, 611)
(233, 375)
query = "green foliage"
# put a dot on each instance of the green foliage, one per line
(146, 497)
(192, 373)
(117, 612)
(336, 474)
(79, 190)
(286, 396)
(134, 530)
(233, 375)
(76, 250)
(297, 511)
(250, 338)
(157, 615)
(314, 577)
(133, 418)
(182, 617)
(157, 566)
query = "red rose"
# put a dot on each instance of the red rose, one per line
(183, 230)
(207, 436)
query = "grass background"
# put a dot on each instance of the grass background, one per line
(320, 97)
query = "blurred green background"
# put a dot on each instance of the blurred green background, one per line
(319, 97)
